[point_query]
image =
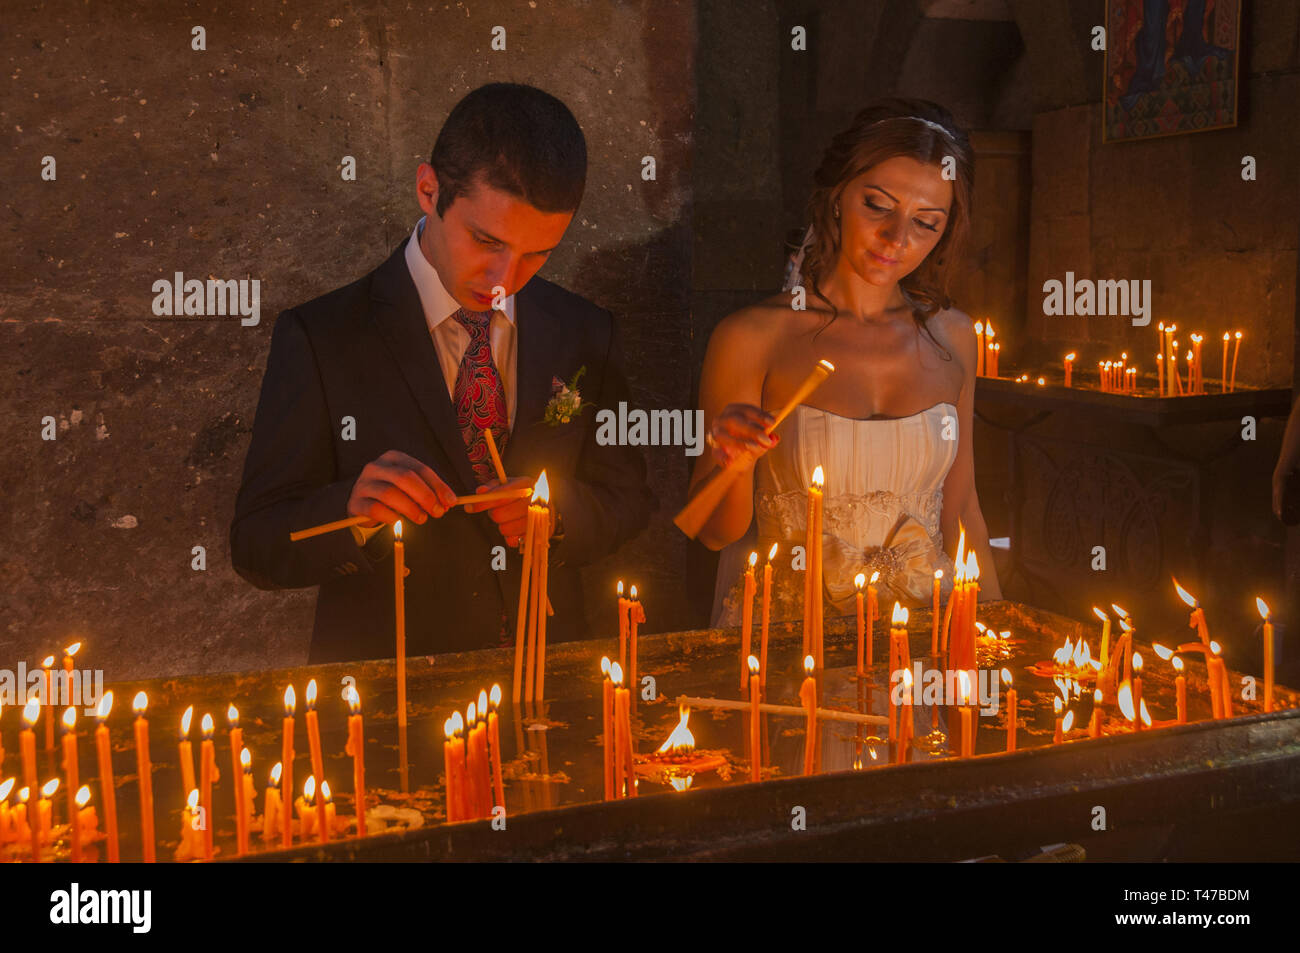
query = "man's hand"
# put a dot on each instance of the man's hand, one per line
(511, 516)
(398, 486)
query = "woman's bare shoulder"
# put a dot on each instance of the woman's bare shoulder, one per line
(758, 325)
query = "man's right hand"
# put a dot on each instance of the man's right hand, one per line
(398, 486)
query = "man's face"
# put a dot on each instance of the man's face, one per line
(485, 239)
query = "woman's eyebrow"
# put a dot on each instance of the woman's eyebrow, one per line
(929, 209)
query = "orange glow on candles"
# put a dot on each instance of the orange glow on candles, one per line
(327, 808)
(70, 771)
(207, 776)
(1011, 710)
(45, 810)
(1180, 690)
(306, 805)
(144, 771)
(607, 718)
(237, 778)
(271, 804)
(356, 748)
(313, 746)
(1137, 689)
(104, 753)
(494, 738)
(86, 821)
(286, 760)
(27, 745)
(755, 745)
(1264, 614)
(1069, 369)
(967, 730)
(808, 695)
(187, 751)
(859, 581)
(399, 604)
(249, 790)
(449, 776)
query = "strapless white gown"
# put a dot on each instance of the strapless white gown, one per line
(883, 497)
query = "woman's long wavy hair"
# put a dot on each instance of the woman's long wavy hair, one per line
(881, 131)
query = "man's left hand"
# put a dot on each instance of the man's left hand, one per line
(511, 516)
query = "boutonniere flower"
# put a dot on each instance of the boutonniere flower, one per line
(566, 403)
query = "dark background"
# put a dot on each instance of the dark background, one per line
(225, 163)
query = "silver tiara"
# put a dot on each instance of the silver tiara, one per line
(933, 125)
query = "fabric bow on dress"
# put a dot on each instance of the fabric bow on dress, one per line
(905, 560)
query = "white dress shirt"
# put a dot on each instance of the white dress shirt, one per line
(450, 336)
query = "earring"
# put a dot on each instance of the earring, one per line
(836, 211)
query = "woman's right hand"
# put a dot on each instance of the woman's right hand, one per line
(739, 434)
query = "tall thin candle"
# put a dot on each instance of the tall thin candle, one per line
(144, 771)
(104, 752)
(858, 581)
(767, 616)
(1262, 606)
(399, 608)
(313, 746)
(187, 751)
(237, 778)
(808, 695)
(207, 777)
(286, 777)
(755, 747)
(746, 621)
(73, 782)
(356, 747)
(494, 738)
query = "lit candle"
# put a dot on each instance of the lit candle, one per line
(1225, 687)
(399, 603)
(523, 617)
(990, 351)
(899, 661)
(905, 729)
(607, 717)
(356, 747)
(1058, 733)
(859, 581)
(967, 732)
(1180, 690)
(934, 614)
(1174, 372)
(144, 770)
(1069, 369)
(207, 776)
(746, 621)
(474, 784)
(767, 616)
(286, 759)
(449, 772)
(327, 808)
(45, 810)
(994, 351)
(27, 745)
(22, 829)
(191, 845)
(6, 813)
(47, 667)
(755, 749)
(87, 821)
(458, 766)
(635, 616)
(873, 613)
(306, 805)
(535, 677)
(1191, 373)
(494, 737)
(249, 801)
(1105, 635)
(958, 582)
(812, 607)
(313, 745)
(1011, 710)
(271, 804)
(979, 348)
(624, 772)
(104, 752)
(187, 751)
(70, 769)
(623, 609)
(1262, 606)
(1168, 352)
(1094, 724)
(236, 777)
(1196, 363)
(1236, 350)
(1223, 376)
(1137, 690)
(808, 695)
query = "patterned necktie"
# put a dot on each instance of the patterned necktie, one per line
(479, 395)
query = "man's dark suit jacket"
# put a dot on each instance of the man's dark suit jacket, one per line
(364, 351)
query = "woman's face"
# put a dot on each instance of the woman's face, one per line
(891, 217)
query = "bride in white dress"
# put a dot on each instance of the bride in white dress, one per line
(892, 426)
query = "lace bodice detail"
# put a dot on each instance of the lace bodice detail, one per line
(883, 497)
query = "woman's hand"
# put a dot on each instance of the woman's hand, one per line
(739, 434)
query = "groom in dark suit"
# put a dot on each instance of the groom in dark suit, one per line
(377, 395)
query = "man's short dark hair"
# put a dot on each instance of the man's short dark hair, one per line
(514, 138)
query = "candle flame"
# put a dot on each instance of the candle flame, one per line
(1137, 661)
(471, 713)
(1262, 606)
(860, 580)
(1042, 381)
(753, 665)
(1161, 651)
(207, 726)
(1177, 663)
(979, 327)
(1057, 704)
(808, 664)
(681, 740)
(900, 615)
(972, 565)
(353, 698)
(105, 706)
(193, 800)
(83, 795)
(24, 794)
(6, 788)
(457, 723)
(1118, 611)
(604, 665)
(185, 721)
(631, 594)
(938, 574)
(71, 650)
(1146, 715)
(397, 529)
(963, 689)
(31, 711)
(232, 716)
(771, 553)
(246, 759)
(616, 673)
(446, 729)
(1125, 625)
(1237, 335)
(1067, 722)
(681, 784)
(1125, 699)
(69, 719)
(141, 703)
(542, 490)
(1226, 335)
(830, 368)
(309, 788)
(960, 561)
(1006, 676)
(1070, 356)
(1183, 594)
(494, 697)
(1097, 696)
(49, 661)
(981, 627)
(818, 477)
(1215, 647)
(874, 577)
(482, 704)
(753, 560)
(276, 772)
(311, 695)
(50, 788)
(290, 701)
(325, 791)
(620, 587)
